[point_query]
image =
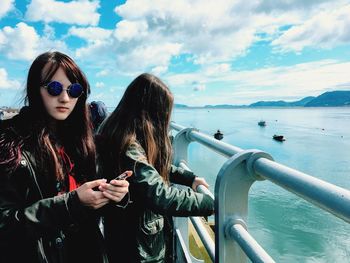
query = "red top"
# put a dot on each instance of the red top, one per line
(72, 183)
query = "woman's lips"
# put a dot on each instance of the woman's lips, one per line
(62, 109)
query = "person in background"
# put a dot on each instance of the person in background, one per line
(49, 192)
(99, 113)
(135, 137)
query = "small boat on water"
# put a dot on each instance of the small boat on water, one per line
(279, 138)
(219, 135)
(262, 123)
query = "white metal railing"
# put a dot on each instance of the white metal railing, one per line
(233, 243)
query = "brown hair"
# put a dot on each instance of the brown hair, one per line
(142, 115)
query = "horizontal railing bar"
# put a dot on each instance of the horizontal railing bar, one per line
(222, 148)
(248, 244)
(204, 236)
(176, 126)
(327, 196)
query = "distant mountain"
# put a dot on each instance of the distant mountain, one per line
(302, 102)
(282, 103)
(279, 103)
(327, 99)
(331, 99)
(180, 106)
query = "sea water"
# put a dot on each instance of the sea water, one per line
(317, 143)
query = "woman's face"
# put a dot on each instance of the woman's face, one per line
(61, 106)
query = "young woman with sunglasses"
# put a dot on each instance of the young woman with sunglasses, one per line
(49, 192)
(135, 137)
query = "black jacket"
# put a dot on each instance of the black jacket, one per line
(139, 232)
(36, 225)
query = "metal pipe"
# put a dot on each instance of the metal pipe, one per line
(176, 126)
(204, 236)
(222, 148)
(248, 244)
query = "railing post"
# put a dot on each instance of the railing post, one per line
(180, 147)
(231, 203)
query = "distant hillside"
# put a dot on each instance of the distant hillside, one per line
(302, 102)
(327, 99)
(331, 99)
(181, 106)
(282, 103)
(279, 103)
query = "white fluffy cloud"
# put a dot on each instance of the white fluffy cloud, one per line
(19, 42)
(6, 83)
(22, 42)
(90, 34)
(153, 33)
(5, 7)
(325, 30)
(80, 12)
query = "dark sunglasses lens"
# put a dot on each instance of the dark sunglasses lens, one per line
(54, 88)
(75, 90)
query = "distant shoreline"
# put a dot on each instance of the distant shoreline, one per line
(261, 107)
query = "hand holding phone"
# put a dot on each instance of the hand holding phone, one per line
(124, 175)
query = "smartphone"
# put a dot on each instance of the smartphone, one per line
(124, 175)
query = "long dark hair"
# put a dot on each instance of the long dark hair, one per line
(142, 116)
(74, 133)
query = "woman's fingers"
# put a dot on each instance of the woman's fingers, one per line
(115, 190)
(113, 196)
(199, 181)
(89, 197)
(121, 186)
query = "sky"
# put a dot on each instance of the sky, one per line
(208, 52)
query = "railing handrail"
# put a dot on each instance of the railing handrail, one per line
(325, 195)
(259, 166)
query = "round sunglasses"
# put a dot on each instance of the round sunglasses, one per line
(55, 88)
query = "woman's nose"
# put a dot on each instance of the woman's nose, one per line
(64, 97)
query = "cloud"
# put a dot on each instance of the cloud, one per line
(19, 42)
(80, 12)
(159, 70)
(247, 86)
(151, 35)
(327, 29)
(90, 34)
(102, 73)
(99, 85)
(22, 42)
(131, 30)
(6, 83)
(145, 56)
(5, 7)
